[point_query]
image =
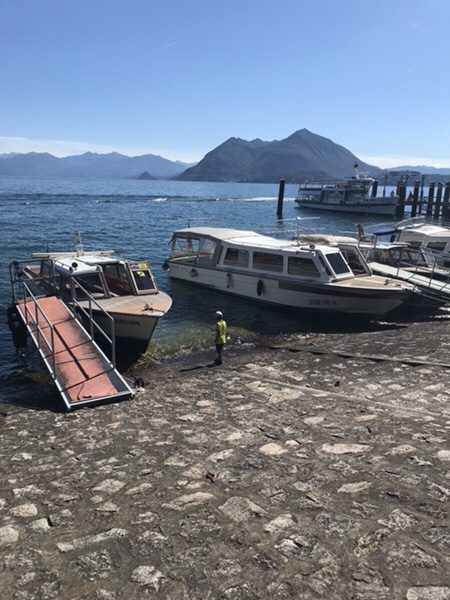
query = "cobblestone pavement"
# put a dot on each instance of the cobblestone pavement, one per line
(284, 473)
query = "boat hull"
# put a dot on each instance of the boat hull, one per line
(327, 298)
(369, 209)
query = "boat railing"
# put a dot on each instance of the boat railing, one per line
(75, 305)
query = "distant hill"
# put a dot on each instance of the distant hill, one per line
(424, 170)
(90, 164)
(302, 155)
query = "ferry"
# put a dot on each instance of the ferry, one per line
(102, 285)
(357, 194)
(285, 273)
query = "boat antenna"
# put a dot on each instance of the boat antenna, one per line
(78, 243)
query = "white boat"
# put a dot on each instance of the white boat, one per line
(286, 273)
(353, 195)
(434, 238)
(107, 286)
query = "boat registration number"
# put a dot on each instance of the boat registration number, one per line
(324, 302)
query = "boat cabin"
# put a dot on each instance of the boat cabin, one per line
(100, 276)
(254, 254)
(431, 237)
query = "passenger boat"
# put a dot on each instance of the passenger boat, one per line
(396, 261)
(102, 284)
(286, 273)
(357, 194)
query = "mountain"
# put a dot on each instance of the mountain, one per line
(424, 170)
(90, 164)
(301, 155)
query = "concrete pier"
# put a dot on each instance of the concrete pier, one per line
(315, 466)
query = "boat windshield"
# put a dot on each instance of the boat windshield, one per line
(92, 284)
(142, 276)
(338, 263)
(194, 250)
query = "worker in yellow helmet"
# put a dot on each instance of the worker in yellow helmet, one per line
(221, 336)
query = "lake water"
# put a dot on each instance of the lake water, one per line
(137, 218)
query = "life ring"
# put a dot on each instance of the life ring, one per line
(260, 287)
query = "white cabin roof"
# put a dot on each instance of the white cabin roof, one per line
(427, 231)
(84, 264)
(252, 239)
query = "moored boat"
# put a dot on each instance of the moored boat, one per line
(356, 194)
(286, 273)
(103, 285)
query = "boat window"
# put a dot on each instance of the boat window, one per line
(117, 279)
(91, 283)
(267, 261)
(337, 263)
(206, 252)
(302, 266)
(185, 249)
(236, 258)
(142, 277)
(355, 261)
(437, 246)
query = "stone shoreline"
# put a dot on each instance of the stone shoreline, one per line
(311, 471)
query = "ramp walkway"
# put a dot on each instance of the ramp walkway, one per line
(436, 288)
(81, 371)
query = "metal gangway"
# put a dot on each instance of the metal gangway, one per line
(81, 371)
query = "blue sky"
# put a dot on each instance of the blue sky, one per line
(178, 77)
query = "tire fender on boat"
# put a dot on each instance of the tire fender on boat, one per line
(260, 287)
(193, 273)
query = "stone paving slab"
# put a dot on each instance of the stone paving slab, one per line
(280, 474)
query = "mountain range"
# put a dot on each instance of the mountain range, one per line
(89, 164)
(302, 155)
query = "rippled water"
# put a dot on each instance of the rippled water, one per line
(137, 218)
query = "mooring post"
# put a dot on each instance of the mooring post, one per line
(430, 199)
(374, 189)
(437, 206)
(401, 191)
(422, 183)
(280, 199)
(415, 198)
(446, 203)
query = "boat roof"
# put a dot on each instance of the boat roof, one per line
(251, 239)
(428, 230)
(84, 264)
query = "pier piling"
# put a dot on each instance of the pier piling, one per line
(446, 203)
(280, 199)
(401, 192)
(430, 199)
(437, 206)
(415, 199)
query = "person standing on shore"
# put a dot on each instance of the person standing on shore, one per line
(221, 336)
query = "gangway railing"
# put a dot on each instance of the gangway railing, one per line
(49, 282)
(32, 315)
(75, 304)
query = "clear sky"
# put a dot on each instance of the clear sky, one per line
(179, 77)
